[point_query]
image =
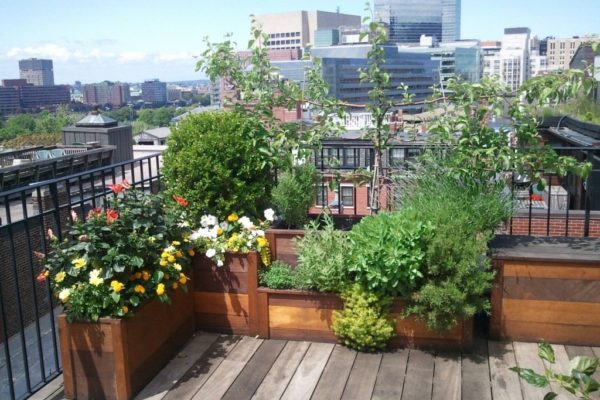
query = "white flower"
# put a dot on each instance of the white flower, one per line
(183, 224)
(259, 232)
(224, 225)
(249, 244)
(170, 249)
(201, 233)
(64, 294)
(269, 214)
(95, 277)
(208, 220)
(210, 253)
(219, 263)
(246, 223)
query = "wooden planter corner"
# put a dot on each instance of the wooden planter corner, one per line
(281, 243)
(305, 315)
(116, 358)
(225, 297)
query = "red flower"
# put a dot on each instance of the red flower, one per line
(117, 188)
(180, 200)
(94, 212)
(111, 215)
(41, 278)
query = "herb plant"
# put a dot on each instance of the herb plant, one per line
(365, 323)
(294, 194)
(278, 275)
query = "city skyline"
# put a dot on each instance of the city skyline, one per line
(135, 41)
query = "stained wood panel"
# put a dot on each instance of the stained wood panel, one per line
(221, 303)
(553, 312)
(300, 318)
(572, 290)
(562, 270)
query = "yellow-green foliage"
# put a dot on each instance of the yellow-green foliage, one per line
(365, 323)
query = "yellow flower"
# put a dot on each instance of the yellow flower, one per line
(176, 243)
(117, 286)
(219, 231)
(145, 275)
(160, 289)
(60, 277)
(95, 277)
(262, 242)
(125, 309)
(139, 289)
(232, 217)
(191, 252)
(177, 267)
(79, 262)
(175, 285)
(171, 259)
(164, 263)
(182, 278)
(164, 254)
(152, 239)
(64, 295)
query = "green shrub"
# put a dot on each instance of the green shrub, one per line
(322, 258)
(212, 161)
(457, 274)
(278, 276)
(387, 253)
(364, 324)
(294, 194)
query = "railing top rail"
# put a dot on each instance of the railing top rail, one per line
(36, 185)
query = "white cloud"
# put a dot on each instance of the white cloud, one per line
(171, 57)
(48, 50)
(132, 56)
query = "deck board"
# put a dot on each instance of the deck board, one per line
(233, 367)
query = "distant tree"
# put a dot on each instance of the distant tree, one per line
(17, 125)
(163, 116)
(122, 114)
(202, 99)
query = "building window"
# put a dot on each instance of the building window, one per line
(347, 196)
(321, 195)
(350, 158)
(396, 157)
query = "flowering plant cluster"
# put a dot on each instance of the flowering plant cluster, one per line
(134, 249)
(235, 234)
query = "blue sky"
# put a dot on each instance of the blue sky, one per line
(133, 40)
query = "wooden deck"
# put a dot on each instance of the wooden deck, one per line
(213, 366)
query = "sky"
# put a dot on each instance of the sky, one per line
(133, 40)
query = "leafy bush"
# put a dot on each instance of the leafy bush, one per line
(278, 276)
(322, 258)
(580, 381)
(387, 253)
(120, 256)
(364, 324)
(295, 193)
(212, 160)
(457, 275)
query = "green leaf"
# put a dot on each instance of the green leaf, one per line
(584, 364)
(134, 300)
(531, 377)
(550, 396)
(546, 353)
(116, 297)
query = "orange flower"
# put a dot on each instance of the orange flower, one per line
(191, 252)
(180, 200)
(178, 254)
(139, 289)
(111, 215)
(175, 285)
(138, 275)
(41, 278)
(145, 275)
(182, 278)
(125, 309)
(116, 188)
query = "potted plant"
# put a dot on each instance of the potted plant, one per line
(292, 197)
(226, 270)
(121, 276)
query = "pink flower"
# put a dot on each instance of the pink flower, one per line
(111, 215)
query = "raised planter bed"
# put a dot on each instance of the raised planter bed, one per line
(225, 297)
(116, 358)
(303, 315)
(546, 289)
(281, 242)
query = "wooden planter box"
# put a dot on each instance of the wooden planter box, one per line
(546, 289)
(303, 315)
(116, 358)
(225, 297)
(281, 242)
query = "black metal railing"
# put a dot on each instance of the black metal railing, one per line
(29, 352)
(567, 206)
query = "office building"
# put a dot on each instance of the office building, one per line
(512, 63)
(9, 100)
(154, 92)
(562, 50)
(44, 96)
(297, 29)
(37, 72)
(407, 20)
(340, 69)
(106, 93)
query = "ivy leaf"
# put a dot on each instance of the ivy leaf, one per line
(531, 377)
(584, 364)
(546, 353)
